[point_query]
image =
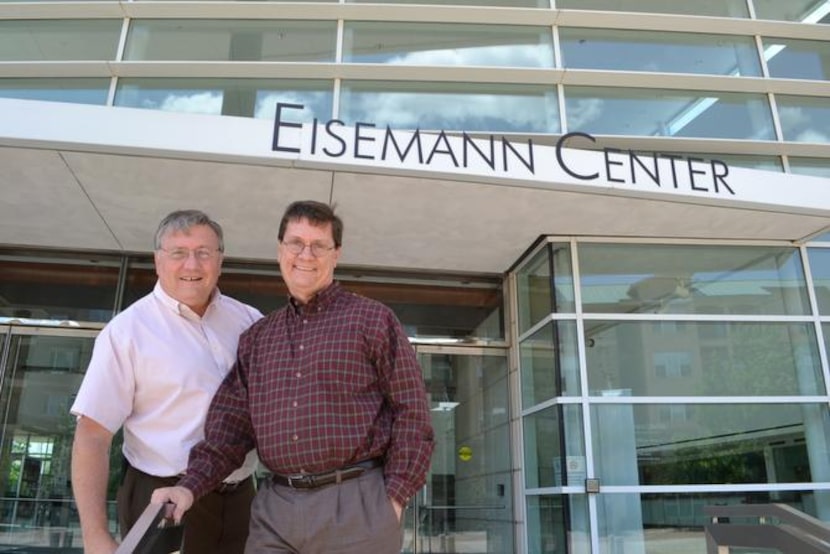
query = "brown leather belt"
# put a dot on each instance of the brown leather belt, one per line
(317, 480)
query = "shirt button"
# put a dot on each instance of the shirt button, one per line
(294, 404)
(302, 347)
(305, 321)
(299, 374)
(295, 438)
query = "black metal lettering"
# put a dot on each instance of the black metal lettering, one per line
(330, 132)
(359, 137)
(560, 144)
(279, 123)
(468, 141)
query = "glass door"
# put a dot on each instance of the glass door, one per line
(467, 502)
(40, 371)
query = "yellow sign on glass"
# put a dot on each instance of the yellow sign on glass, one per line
(465, 453)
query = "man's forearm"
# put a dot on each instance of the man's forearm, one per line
(90, 475)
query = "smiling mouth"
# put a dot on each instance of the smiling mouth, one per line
(191, 279)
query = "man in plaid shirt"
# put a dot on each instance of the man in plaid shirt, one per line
(329, 391)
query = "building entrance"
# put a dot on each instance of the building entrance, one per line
(466, 504)
(40, 371)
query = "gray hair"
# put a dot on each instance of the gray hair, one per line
(182, 220)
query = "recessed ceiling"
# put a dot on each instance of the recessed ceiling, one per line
(91, 200)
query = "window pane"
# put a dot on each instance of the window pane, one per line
(765, 163)
(468, 400)
(451, 106)
(820, 268)
(689, 358)
(692, 279)
(534, 284)
(447, 44)
(232, 40)
(709, 444)
(68, 39)
(659, 52)
(804, 118)
(40, 381)
(76, 290)
(240, 97)
(807, 11)
(76, 91)
(549, 361)
(722, 8)
(817, 167)
(654, 112)
(558, 523)
(544, 441)
(797, 59)
(673, 523)
(469, 311)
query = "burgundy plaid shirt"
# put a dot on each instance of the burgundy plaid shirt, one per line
(316, 387)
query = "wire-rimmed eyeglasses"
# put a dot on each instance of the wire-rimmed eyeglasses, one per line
(203, 254)
(318, 249)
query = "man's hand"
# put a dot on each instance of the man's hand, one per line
(398, 509)
(180, 496)
(101, 544)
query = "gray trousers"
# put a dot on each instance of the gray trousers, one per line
(353, 517)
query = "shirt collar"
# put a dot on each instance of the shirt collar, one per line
(180, 308)
(318, 302)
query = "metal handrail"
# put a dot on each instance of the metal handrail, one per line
(796, 532)
(461, 507)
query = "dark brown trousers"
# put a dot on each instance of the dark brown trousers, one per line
(216, 524)
(353, 517)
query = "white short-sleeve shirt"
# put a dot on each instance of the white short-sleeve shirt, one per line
(154, 370)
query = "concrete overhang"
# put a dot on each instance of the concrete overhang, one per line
(100, 178)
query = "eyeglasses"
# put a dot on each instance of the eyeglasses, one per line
(201, 254)
(296, 247)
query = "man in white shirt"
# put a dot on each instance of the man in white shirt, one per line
(154, 370)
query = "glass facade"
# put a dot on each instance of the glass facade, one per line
(59, 40)
(681, 376)
(223, 40)
(538, 67)
(668, 113)
(445, 44)
(797, 59)
(451, 106)
(716, 8)
(621, 50)
(805, 118)
(76, 90)
(233, 97)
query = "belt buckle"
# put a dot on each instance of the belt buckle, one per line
(299, 477)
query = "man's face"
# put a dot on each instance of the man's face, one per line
(188, 266)
(304, 273)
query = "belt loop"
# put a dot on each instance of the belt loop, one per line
(338, 477)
